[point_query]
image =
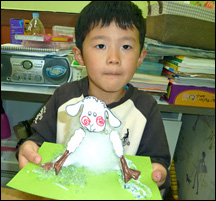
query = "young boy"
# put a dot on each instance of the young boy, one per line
(109, 42)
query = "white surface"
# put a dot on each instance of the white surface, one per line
(172, 129)
(48, 90)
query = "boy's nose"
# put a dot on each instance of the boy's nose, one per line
(113, 61)
(113, 57)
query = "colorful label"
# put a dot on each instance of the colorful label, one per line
(196, 98)
(56, 71)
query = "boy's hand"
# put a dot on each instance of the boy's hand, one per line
(159, 173)
(28, 153)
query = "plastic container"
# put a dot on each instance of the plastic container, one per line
(63, 30)
(150, 68)
(35, 25)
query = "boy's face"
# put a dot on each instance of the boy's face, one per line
(111, 56)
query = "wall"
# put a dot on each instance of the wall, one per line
(56, 6)
(63, 13)
(48, 18)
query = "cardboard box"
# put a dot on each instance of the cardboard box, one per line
(191, 96)
(18, 26)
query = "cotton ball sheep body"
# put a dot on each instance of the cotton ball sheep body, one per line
(90, 146)
(95, 153)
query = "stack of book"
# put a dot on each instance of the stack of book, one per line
(192, 81)
(191, 71)
(40, 45)
(148, 76)
(153, 84)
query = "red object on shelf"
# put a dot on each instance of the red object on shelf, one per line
(11, 149)
(5, 127)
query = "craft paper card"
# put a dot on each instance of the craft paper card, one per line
(77, 183)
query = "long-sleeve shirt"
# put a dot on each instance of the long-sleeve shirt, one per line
(142, 130)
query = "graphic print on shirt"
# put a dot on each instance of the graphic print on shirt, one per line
(40, 115)
(125, 140)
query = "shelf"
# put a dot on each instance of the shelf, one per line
(42, 94)
(29, 93)
(187, 109)
(9, 163)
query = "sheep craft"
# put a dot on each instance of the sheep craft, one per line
(93, 118)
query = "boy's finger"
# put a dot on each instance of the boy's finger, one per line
(33, 157)
(29, 157)
(28, 153)
(22, 161)
(156, 175)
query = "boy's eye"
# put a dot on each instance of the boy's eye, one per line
(126, 47)
(100, 46)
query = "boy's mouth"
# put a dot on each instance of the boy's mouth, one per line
(112, 74)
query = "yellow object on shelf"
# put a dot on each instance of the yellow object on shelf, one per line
(174, 183)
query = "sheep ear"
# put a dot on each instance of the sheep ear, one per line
(73, 109)
(113, 120)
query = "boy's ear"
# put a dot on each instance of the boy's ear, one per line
(78, 56)
(142, 57)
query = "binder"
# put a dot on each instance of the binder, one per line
(18, 47)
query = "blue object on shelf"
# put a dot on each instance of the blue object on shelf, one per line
(150, 68)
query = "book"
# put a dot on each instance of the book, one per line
(150, 83)
(45, 38)
(194, 60)
(174, 66)
(149, 78)
(195, 81)
(50, 45)
(197, 66)
(190, 61)
(170, 65)
(169, 68)
(173, 61)
(20, 50)
(196, 69)
(168, 73)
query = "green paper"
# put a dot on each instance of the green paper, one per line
(75, 183)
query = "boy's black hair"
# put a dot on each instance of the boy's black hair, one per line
(125, 13)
